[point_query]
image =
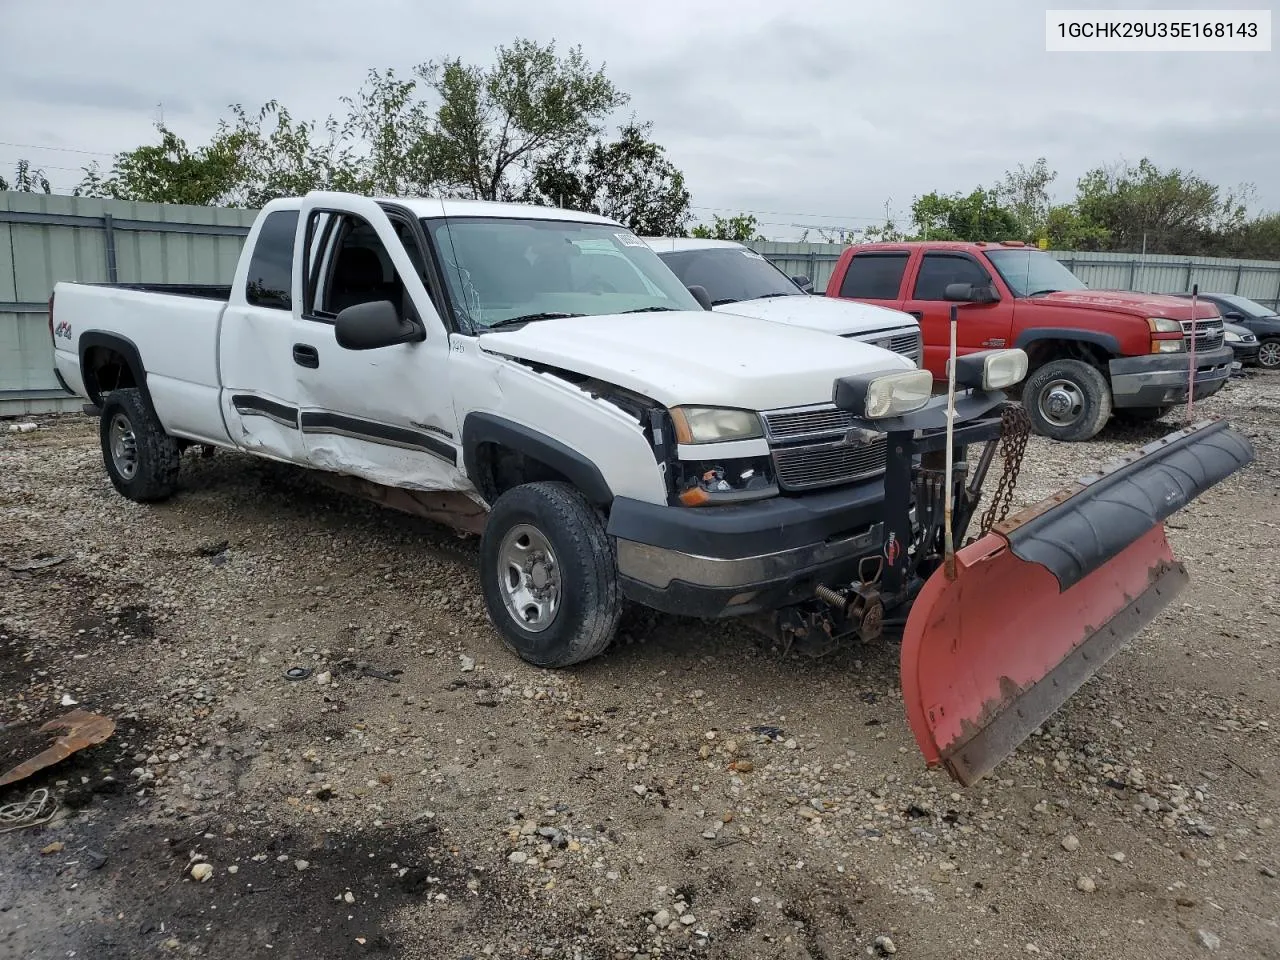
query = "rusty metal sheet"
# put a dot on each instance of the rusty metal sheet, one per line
(83, 729)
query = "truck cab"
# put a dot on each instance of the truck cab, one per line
(1091, 353)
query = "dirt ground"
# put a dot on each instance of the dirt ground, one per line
(691, 792)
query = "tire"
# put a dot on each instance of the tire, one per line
(1080, 388)
(140, 458)
(1143, 414)
(1269, 354)
(584, 602)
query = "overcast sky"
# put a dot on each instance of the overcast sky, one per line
(818, 112)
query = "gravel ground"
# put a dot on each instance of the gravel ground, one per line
(692, 792)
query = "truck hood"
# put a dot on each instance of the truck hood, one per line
(697, 357)
(840, 317)
(1123, 301)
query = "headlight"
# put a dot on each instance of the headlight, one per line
(990, 369)
(874, 396)
(713, 424)
(1233, 337)
(1164, 325)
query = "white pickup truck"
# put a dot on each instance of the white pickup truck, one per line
(540, 377)
(740, 281)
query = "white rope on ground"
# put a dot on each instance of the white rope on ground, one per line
(38, 808)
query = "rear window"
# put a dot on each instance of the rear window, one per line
(874, 276)
(270, 282)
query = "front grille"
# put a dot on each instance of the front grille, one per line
(1209, 334)
(806, 467)
(820, 446)
(907, 344)
(805, 422)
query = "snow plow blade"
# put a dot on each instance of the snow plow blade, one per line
(1040, 603)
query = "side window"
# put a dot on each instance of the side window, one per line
(358, 269)
(270, 281)
(939, 269)
(874, 276)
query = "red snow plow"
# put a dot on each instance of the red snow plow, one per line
(999, 634)
(1038, 604)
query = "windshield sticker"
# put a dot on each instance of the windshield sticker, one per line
(629, 240)
(752, 254)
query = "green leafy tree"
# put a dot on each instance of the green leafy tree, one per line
(171, 172)
(1177, 211)
(628, 179)
(494, 122)
(1066, 229)
(27, 179)
(1025, 194)
(975, 216)
(743, 228)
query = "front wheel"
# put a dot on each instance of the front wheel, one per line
(548, 572)
(1067, 400)
(140, 458)
(1269, 354)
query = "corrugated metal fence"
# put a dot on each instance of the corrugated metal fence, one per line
(1155, 273)
(45, 239)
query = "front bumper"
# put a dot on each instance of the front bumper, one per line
(1245, 353)
(1161, 378)
(733, 560)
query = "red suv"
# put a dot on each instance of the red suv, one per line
(1091, 352)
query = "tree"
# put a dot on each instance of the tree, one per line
(1066, 229)
(27, 179)
(1024, 193)
(171, 172)
(628, 179)
(977, 216)
(1177, 212)
(743, 228)
(518, 114)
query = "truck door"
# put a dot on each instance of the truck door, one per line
(981, 326)
(259, 391)
(385, 414)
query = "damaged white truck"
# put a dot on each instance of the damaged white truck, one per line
(539, 377)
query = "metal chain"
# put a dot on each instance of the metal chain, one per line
(1015, 428)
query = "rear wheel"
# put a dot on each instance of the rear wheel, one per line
(1269, 354)
(140, 458)
(549, 575)
(1143, 414)
(1067, 400)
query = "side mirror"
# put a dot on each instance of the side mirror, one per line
(1234, 315)
(368, 326)
(970, 293)
(804, 283)
(700, 294)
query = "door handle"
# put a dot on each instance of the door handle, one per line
(305, 355)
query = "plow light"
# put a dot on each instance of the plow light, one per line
(991, 369)
(875, 396)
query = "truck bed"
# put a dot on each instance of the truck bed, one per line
(173, 330)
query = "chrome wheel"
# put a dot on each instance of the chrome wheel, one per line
(529, 577)
(1269, 354)
(1061, 402)
(124, 446)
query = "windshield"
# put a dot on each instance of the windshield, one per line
(499, 269)
(1249, 308)
(730, 274)
(1030, 272)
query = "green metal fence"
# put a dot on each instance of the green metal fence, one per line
(44, 239)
